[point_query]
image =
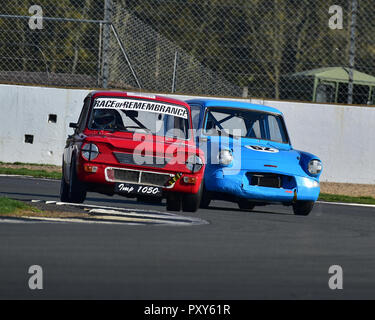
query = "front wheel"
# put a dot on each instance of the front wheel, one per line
(64, 188)
(75, 191)
(302, 208)
(174, 201)
(191, 201)
(244, 204)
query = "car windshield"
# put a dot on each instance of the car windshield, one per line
(246, 124)
(141, 116)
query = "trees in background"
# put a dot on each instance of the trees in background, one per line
(248, 42)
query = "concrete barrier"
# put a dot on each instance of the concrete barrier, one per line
(342, 136)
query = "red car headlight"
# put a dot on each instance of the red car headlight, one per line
(90, 151)
(194, 163)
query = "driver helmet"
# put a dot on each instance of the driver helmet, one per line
(104, 119)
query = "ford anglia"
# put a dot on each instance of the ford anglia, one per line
(250, 159)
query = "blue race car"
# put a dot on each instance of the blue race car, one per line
(250, 159)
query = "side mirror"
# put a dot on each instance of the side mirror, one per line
(73, 125)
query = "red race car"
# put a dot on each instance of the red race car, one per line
(136, 145)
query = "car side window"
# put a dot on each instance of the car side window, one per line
(83, 116)
(274, 129)
(255, 130)
(195, 115)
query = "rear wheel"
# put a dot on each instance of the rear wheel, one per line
(191, 202)
(302, 208)
(205, 199)
(75, 191)
(174, 201)
(244, 204)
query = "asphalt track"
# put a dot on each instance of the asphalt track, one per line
(265, 254)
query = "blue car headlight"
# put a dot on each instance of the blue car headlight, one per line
(314, 166)
(225, 157)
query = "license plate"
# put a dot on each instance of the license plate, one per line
(131, 188)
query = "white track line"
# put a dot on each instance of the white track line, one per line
(113, 208)
(153, 217)
(348, 204)
(44, 219)
(28, 177)
(115, 215)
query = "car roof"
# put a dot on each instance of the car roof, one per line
(233, 104)
(139, 95)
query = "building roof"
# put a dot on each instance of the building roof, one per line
(338, 74)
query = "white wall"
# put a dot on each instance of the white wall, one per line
(342, 136)
(25, 110)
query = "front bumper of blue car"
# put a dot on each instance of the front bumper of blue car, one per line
(240, 185)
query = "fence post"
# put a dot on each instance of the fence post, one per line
(106, 40)
(354, 6)
(174, 78)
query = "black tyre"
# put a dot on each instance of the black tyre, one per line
(64, 188)
(154, 200)
(205, 199)
(244, 204)
(191, 202)
(302, 208)
(205, 202)
(75, 191)
(174, 201)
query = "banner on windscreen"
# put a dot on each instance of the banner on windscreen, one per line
(139, 105)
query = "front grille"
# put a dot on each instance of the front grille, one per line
(146, 161)
(126, 175)
(135, 176)
(271, 180)
(154, 179)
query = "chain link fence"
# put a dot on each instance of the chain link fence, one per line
(278, 49)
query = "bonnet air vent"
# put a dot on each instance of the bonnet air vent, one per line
(263, 149)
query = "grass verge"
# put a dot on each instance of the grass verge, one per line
(17, 163)
(19, 209)
(31, 172)
(347, 199)
(14, 207)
